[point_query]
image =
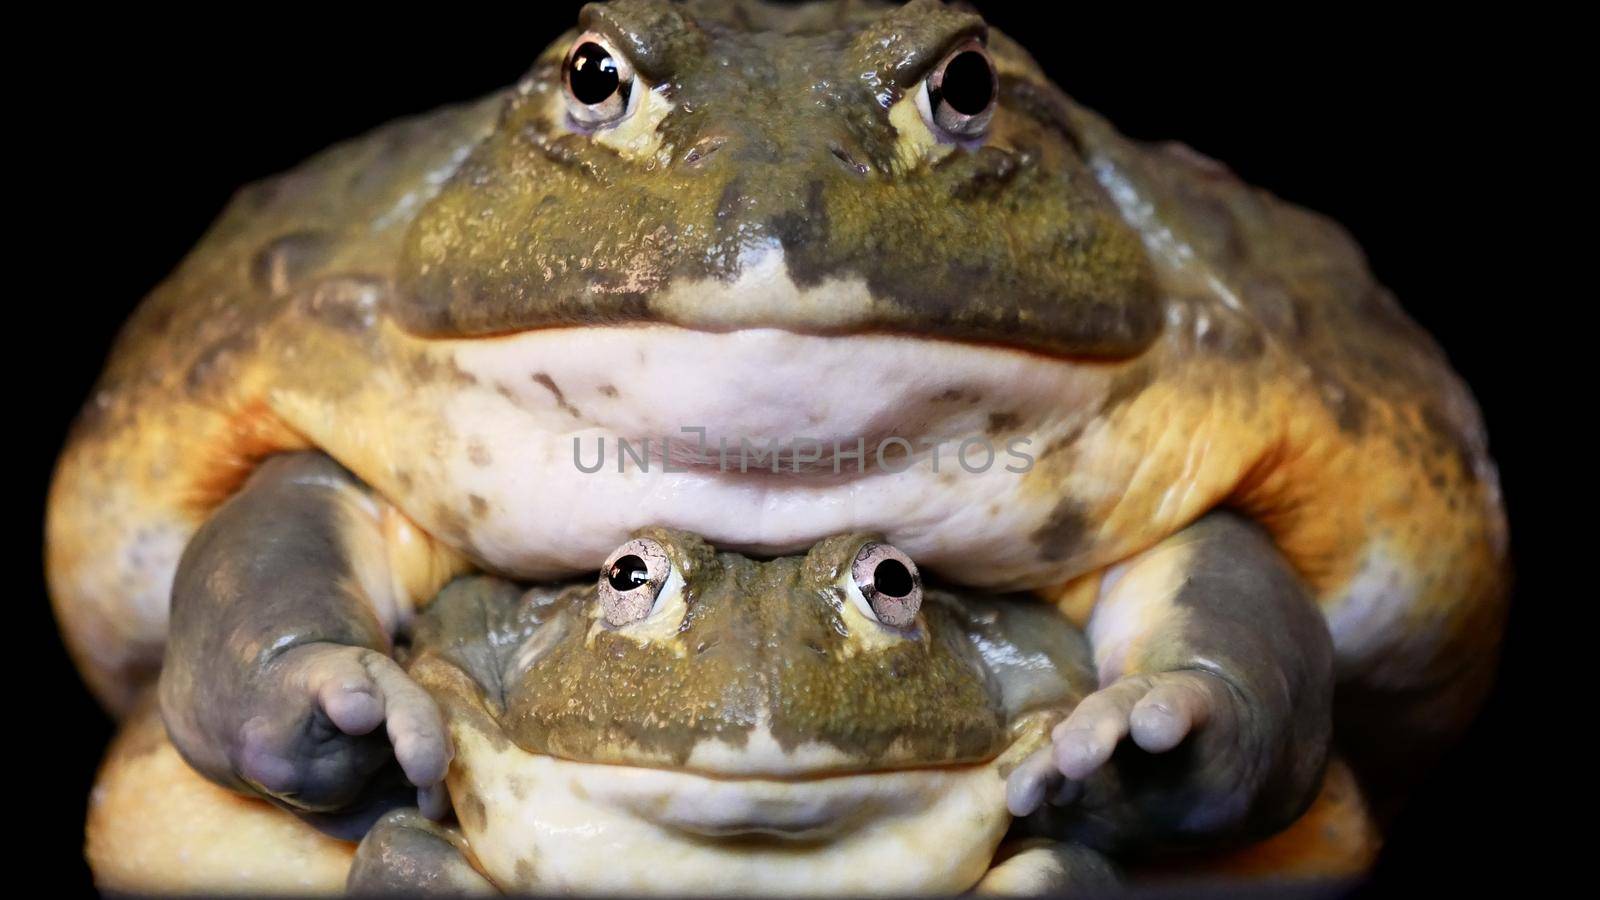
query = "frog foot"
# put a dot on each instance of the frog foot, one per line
(312, 740)
(1156, 711)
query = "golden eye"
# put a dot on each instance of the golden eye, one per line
(631, 581)
(599, 82)
(888, 584)
(961, 93)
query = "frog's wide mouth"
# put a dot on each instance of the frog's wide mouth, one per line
(770, 286)
(737, 799)
(538, 821)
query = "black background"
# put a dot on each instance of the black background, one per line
(1394, 128)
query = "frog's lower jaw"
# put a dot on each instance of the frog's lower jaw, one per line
(541, 824)
(535, 423)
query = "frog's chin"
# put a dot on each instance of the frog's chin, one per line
(762, 440)
(541, 824)
(765, 384)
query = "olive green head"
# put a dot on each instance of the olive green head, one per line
(679, 656)
(832, 167)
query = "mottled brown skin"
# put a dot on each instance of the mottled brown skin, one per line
(1079, 286)
(1253, 363)
(761, 644)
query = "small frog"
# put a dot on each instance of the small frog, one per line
(700, 722)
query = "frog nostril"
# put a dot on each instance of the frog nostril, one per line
(843, 155)
(703, 149)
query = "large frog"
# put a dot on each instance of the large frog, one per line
(697, 722)
(719, 223)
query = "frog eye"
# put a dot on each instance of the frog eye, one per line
(631, 581)
(960, 94)
(888, 583)
(599, 81)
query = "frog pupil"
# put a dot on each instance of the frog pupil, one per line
(968, 83)
(592, 74)
(891, 578)
(628, 573)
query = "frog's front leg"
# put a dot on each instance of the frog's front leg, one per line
(1215, 706)
(405, 854)
(277, 676)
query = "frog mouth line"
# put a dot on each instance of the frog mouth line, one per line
(625, 827)
(719, 771)
(1118, 323)
(793, 810)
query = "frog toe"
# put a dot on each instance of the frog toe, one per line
(1028, 786)
(1178, 702)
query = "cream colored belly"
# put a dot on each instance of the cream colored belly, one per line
(539, 824)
